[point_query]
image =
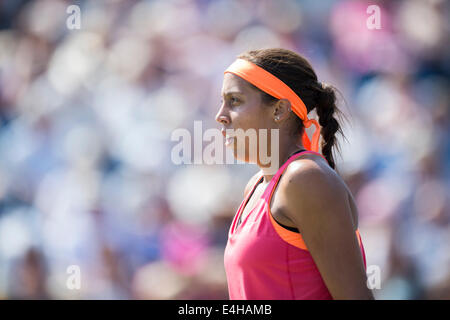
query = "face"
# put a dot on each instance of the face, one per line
(242, 108)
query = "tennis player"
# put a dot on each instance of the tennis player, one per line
(295, 235)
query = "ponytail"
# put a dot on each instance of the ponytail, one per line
(326, 108)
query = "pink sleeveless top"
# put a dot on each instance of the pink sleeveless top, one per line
(264, 261)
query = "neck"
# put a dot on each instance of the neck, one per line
(283, 155)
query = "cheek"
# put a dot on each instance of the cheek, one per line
(249, 116)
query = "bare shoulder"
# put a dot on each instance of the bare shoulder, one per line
(251, 183)
(311, 171)
(315, 199)
(311, 187)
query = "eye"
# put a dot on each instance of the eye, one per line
(234, 99)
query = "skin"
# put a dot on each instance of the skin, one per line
(310, 195)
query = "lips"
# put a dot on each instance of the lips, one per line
(224, 133)
(228, 138)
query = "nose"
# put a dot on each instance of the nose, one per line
(222, 117)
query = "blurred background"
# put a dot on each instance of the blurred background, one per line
(86, 117)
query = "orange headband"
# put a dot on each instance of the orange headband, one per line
(267, 82)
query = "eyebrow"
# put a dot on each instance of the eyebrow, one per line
(232, 92)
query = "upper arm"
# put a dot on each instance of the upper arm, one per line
(316, 201)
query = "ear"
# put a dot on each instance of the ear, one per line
(281, 110)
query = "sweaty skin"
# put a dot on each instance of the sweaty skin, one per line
(310, 195)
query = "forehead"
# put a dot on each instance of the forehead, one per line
(233, 83)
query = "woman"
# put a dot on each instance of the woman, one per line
(295, 235)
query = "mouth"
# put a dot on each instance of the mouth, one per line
(229, 139)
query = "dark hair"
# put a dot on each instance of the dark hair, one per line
(296, 72)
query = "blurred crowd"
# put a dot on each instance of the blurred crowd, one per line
(86, 116)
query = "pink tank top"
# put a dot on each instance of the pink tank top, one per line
(264, 261)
